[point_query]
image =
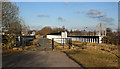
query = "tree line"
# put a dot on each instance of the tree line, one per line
(48, 30)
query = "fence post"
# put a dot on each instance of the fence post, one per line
(52, 43)
(98, 39)
(63, 42)
(69, 43)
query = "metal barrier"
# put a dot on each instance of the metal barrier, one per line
(61, 43)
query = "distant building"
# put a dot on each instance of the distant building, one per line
(100, 33)
(101, 29)
(33, 33)
(24, 33)
(58, 37)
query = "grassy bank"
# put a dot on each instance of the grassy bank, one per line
(94, 55)
(93, 58)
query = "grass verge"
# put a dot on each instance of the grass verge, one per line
(93, 58)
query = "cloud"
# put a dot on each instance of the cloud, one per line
(61, 18)
(94, 13)
(43, 15)
(100, 15)
(105, 19)
(108, 21)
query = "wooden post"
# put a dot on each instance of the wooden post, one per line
(98, 39)
(70, 43)
(52, 43)
(23, 43)
(63, 42)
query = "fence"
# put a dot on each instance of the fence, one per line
(92, 39)
(61, 43)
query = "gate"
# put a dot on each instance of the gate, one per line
(61, 43)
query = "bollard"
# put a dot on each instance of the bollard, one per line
(69, 43)
(63, 43)
(52, 43)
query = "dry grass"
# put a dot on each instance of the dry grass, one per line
(94, 55)
(93, 58)
(11, 51)
(103, 47)
(8, 50)
(35, 41)
(38, 36)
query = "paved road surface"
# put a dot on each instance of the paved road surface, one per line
(42, 57)
(38, 59)
(44, 45)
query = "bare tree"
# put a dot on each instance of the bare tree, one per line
(12, 24)
(10, 18)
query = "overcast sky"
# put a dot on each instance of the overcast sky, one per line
(72, 15)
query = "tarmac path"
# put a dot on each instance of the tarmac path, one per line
(38, 59)
(42, 57)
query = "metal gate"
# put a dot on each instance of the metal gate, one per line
(61, 43)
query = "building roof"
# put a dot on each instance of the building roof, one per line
(58, 33)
